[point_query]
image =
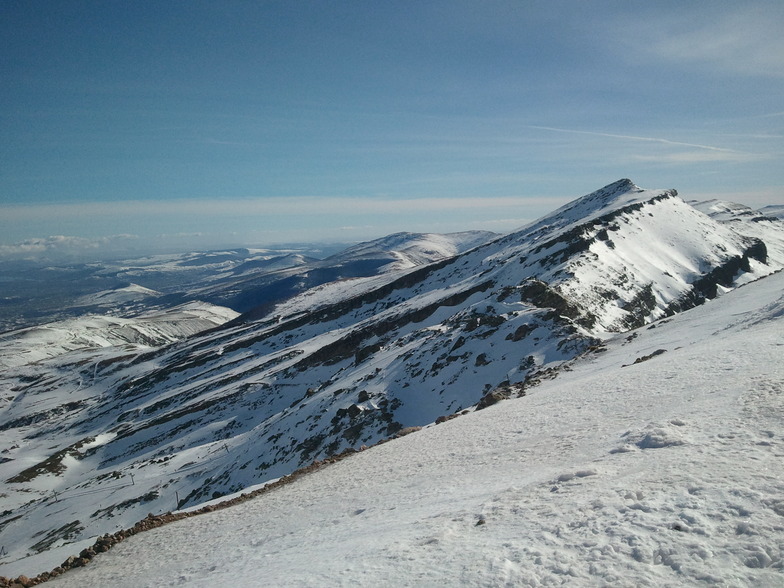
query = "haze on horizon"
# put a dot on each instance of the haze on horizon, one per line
(196, 123)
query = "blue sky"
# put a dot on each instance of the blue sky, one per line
(214, 123)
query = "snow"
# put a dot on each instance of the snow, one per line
(751, 223)
(663, 472)
(94, 438)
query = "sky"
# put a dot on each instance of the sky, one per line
(202, 124)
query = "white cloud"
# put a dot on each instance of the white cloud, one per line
(63, 246)
(664, 150)
(169, 225)
(744, 40)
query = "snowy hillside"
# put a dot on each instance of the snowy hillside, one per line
(31, 345)
(117, 296)
(776, 210)
(34, 292)
(406, 250)
(654, 463)
(749, 222)
(349, 363)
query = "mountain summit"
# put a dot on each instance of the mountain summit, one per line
(350, 363)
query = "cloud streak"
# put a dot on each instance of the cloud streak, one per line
(634, 138)
(62, 246)
(686, 152)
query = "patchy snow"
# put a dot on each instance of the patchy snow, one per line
(622, 471)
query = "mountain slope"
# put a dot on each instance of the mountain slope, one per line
(749, 222)
(622, 471)
(349, 363)
(371, 263)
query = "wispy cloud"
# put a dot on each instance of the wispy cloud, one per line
(634, 138)
(684, 152)
(745, 39)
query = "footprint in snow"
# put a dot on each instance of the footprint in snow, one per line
(572, 475)
(652, 437)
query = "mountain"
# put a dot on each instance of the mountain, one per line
(774, 210)
(140, 333)
(34, 292)
(256, 292)
(653, 463)
(747, 221)
(350, 362)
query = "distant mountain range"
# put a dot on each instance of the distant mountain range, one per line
(329, 355)
(34, 291)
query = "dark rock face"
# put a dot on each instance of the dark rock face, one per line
(707, 286)
(541, 295)
(492, 398)
(639, 308)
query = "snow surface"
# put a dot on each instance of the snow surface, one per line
(621, 471)
(765, 225)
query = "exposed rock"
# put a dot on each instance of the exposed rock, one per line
(492, 398)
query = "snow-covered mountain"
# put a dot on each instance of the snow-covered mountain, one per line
(35, 292)
(775, 210)
(654, 463)
(407, 250)
(765, 226)
(137, 334)
(351, 362)
(255, 292)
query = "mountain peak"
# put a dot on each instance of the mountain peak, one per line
(611, 198)
(607, 195)
(624, 184)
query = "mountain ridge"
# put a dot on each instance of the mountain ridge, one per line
(360, 360)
